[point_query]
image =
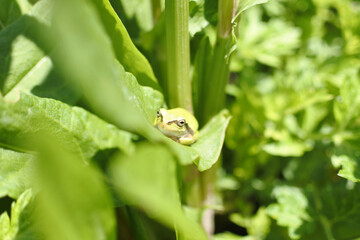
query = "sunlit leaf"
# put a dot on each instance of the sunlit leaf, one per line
(81, 131)
(245, 4)
(143, 14)
(11, 10)
(20, 56)
(349, 167)
(20, 225)
(16, 172)
(257, 226)
(286, 149)
(290, 211)
(75, 202)
(211, 140)
(148, 180)
(125, 51)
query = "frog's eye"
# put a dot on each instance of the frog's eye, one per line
(181, 122)
(158, 113)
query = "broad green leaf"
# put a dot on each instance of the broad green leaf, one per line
(125, 51)
(16, 172)
(80, 130)
(148, 179)
(87, 56)
(290, 211)
(20, 226)
(32, 79)
(74, 202)
(54, 86)
(211, 139)
(11, 10)
(20, 57)
(287, 148)
(143, 14)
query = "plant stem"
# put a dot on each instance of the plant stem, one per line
(214, 101)
(225, 17)
(156, 10)
(178, 53)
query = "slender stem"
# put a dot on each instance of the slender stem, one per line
(225, 17)
(178, 53)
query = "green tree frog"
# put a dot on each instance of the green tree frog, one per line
(177, 124)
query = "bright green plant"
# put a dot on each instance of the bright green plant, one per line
(81, 82)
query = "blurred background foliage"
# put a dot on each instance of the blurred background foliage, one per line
(291, 158)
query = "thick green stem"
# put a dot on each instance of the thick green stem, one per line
(217, 79)
(178, 53)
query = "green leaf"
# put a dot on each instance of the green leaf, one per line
(350, 169)
(337, 210)
(266, 42)
(74, 202)
(16, 172)
(126, 52)
(20, 226)
(83, 132)
(118, 98)
(290, 211)
(197, 21)
(86, 56)
(229, 236)
(211, 139)
(11, 10)
(20, 56)
(287, 148)
(246, 4)
(143, 14)
(257, 226)
(211, 11)
(148, 179)
(347, 105)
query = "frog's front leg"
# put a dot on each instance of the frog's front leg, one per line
(188, 139)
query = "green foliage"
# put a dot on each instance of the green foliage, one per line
(154, 187)
(276, 82)
(84, 132)
(20, 225)
(17, 172)
(75, 202)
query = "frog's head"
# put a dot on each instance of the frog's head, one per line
(176, 122)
